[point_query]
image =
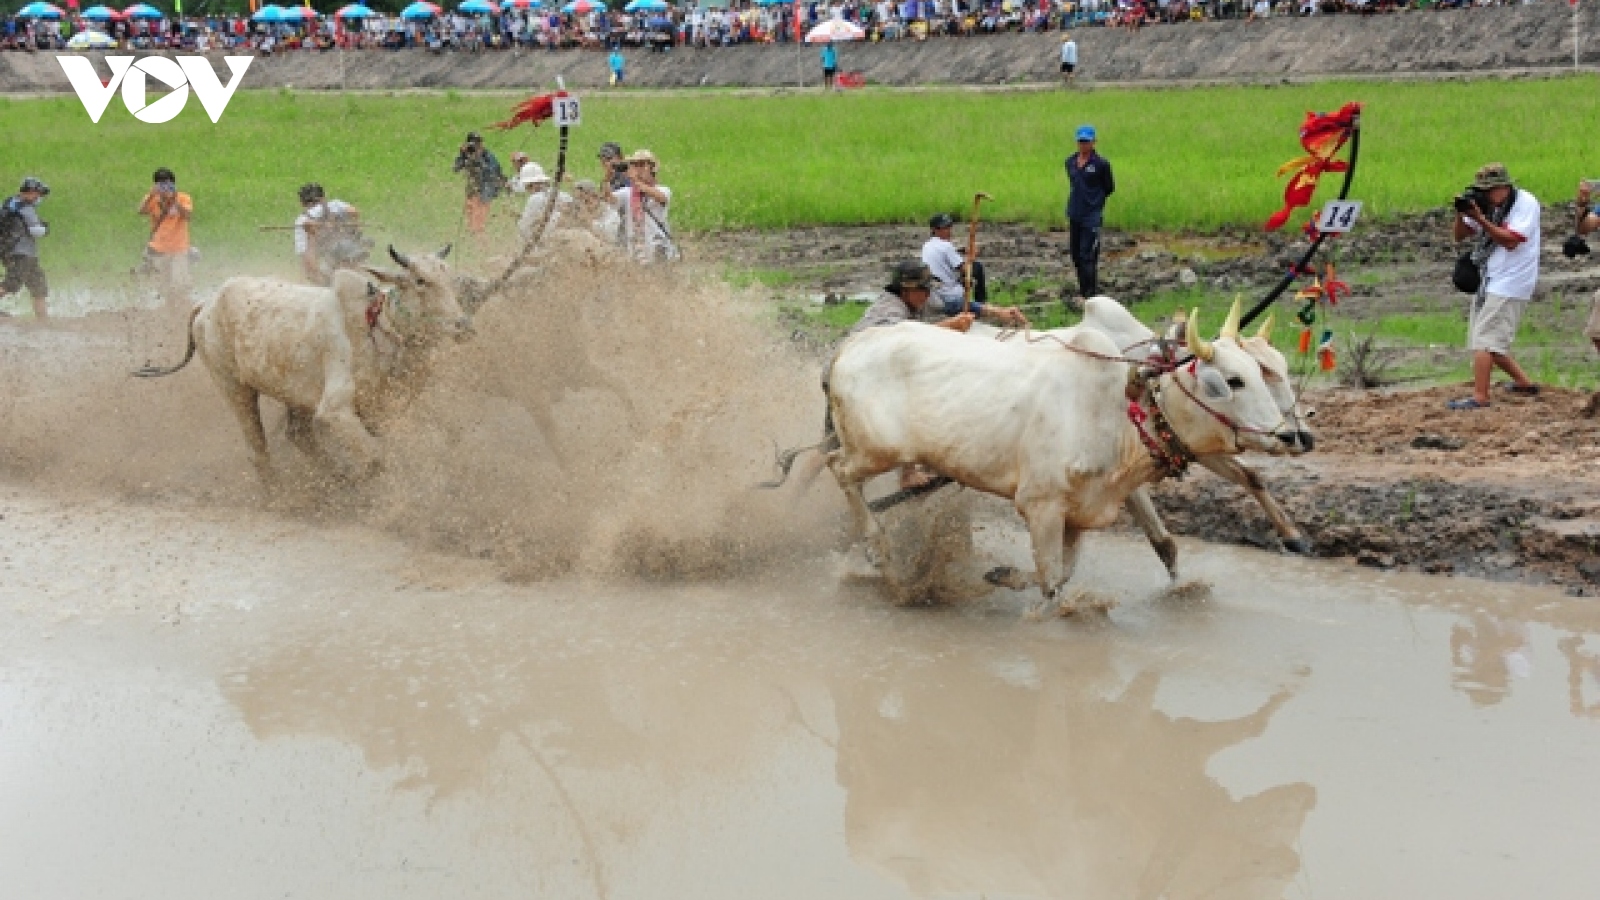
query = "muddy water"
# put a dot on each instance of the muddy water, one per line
(216, 704)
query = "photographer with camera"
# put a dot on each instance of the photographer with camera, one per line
(166, 253)
(20, 230)
(484, 181)
(1505, 257)
(1588, 222)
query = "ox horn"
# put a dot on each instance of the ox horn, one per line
(1230, 328)
(1198, 345)
(1266, 327)
(399, 257)
(445, 252)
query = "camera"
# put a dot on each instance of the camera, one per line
(1471, 197)
(1574, 247)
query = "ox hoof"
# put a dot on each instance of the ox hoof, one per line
(1298, 546)
(1007, 577)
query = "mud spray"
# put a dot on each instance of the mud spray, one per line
(606, 421)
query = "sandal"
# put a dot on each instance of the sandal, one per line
(1466, 403)
(1522, 390)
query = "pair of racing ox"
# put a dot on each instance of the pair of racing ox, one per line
(1071, 425)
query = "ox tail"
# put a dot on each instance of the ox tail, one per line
(785, 460)
(150, 371)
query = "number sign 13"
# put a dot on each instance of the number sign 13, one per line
(1339, 216)
(567, 112)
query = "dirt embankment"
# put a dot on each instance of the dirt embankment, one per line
(1398, 480)
(1537, 36)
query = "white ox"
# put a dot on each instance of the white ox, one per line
(326, 353)
(1042, 423)
(1137, 341)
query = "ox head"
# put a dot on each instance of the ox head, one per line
(1296, 433)
(428, 304)
(1222, 404)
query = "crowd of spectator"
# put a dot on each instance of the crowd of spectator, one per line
(742, 22)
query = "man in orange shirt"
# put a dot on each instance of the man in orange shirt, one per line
(167, 252)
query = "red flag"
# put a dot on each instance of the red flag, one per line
(534, 109)
(1322, 136)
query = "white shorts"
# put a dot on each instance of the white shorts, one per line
(1494, 322)
(1592, 330)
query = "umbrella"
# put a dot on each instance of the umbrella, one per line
(90, 40)
(101, 13)
(143, 11)
(39, 11)
(475, 7)
(270, 13)
(581, 7)
(770, 2)
(419, 10)
(299, 12)
(354, 11)
(650, 5)
(834, 30)
(520, 4)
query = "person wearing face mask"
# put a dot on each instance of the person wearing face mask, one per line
(20, 230)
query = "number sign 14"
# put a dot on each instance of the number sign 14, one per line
(1339, 216)
(568, 112)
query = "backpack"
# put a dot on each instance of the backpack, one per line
(13, 228)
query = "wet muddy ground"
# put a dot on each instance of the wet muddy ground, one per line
(200, 702)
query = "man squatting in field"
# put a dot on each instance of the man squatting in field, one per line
(327, 235)
(948, 268)
(1090, 181)
(484, 180)
(20, 230)
(1507, 254)
(167, 252)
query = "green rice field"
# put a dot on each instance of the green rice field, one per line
(1184, 158)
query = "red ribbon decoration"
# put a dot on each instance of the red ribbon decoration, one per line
(1323, 136)
(535, 109)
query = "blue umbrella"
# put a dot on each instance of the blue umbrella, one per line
(39, 11)
(419, 10)
(475, 7)
(270, 13)
(354, 11)
(650, 5)
(101, 13)
(143, 11)
(520, 4)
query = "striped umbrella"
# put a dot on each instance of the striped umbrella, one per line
(142, 11)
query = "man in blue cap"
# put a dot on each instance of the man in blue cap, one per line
(1089, 175)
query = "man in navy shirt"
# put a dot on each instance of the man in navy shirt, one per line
(1089, 174)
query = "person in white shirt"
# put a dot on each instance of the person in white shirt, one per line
(947, 267)
(327, 235)
(1507, 255)
(537, 185)
(643, 206)
(1069, 58)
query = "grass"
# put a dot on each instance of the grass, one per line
(1427, 344)
(1185, 158)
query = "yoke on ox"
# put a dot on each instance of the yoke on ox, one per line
(1044, 424)
(326, 353)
